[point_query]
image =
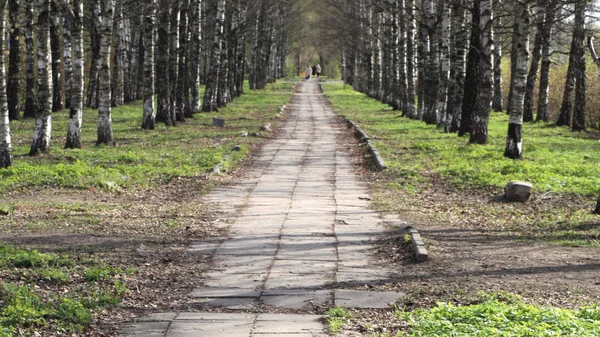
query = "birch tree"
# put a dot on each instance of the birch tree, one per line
(75, 18)
(14, 61)
(520, 53)
(162, 69)
(30, 90)
(481, 109)
(195, 52)
(212, 84)
(148, 121)
(6, 158)
(43, 116)
(56, 24)
(105, 20)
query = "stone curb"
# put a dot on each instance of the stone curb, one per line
(421, 253)
(360, 134)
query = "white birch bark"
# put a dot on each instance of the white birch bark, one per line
(68, 62)
(514, 145)
(212, 83)
(29, 62)
(444, 61)
(76, 92)
(411, 110)
(195, 52)
(43, 119)
(6, 158)
(149, 118)
(105, 133)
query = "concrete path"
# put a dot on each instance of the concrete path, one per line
(304, 234)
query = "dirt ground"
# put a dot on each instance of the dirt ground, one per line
(152, 228)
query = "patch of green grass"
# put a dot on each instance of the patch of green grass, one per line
(29, 308)
(426, 163)
(501, 315)
(141, 158)
(336, 317)
(100, 273)
(555, 159)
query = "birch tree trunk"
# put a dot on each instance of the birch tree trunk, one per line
(117, 79)
(534, 66)
(514, 143)
(481, 111)
(472, 73)
(162, 69)
(14, 61)
(6, 158)
(542, 108)
(195, 52)
(43, 116)
(497, 100)
(212, 82)
(174, 59)
(432, 66)
(68, 62)
(241, 51)
(578, 49)
(410, 59)
(92, 94)
(456, 84)
(183, 93)
(148, 120)
(76, 92)
(444, 62)
(30, 104)
(105, 134)
(421, 75)
(57, 50)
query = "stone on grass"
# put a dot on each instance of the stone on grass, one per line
(220, 122)
(266, 127)
(518, 191)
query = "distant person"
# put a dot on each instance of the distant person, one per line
(308, 72)
(314, 71)
(318, 69)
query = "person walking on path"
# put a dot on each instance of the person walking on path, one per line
(314, 71)
(308, 72)
(318, 69)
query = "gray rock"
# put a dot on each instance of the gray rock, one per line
(220, 122)
(244, 134)
(518, 191)
(266, 127)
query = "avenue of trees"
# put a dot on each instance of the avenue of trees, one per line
(440, 61)
(103, 53)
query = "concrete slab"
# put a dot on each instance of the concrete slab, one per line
(365, 299)
(225, 293)
(297, 298)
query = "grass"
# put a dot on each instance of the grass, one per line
(336, 317)
(141, 158)
(426, 163)
(499, 315)
(555, 159)
(46, 291)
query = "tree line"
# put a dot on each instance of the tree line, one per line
(158, 51)
(440, 60)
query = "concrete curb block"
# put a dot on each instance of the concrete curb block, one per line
(421, 253)
(360, 134)
(281, 110)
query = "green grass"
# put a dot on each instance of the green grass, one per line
(62, 300)
(555, 159)
(426, 163)
(336, 317)
(141, 158)
(499, 316)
